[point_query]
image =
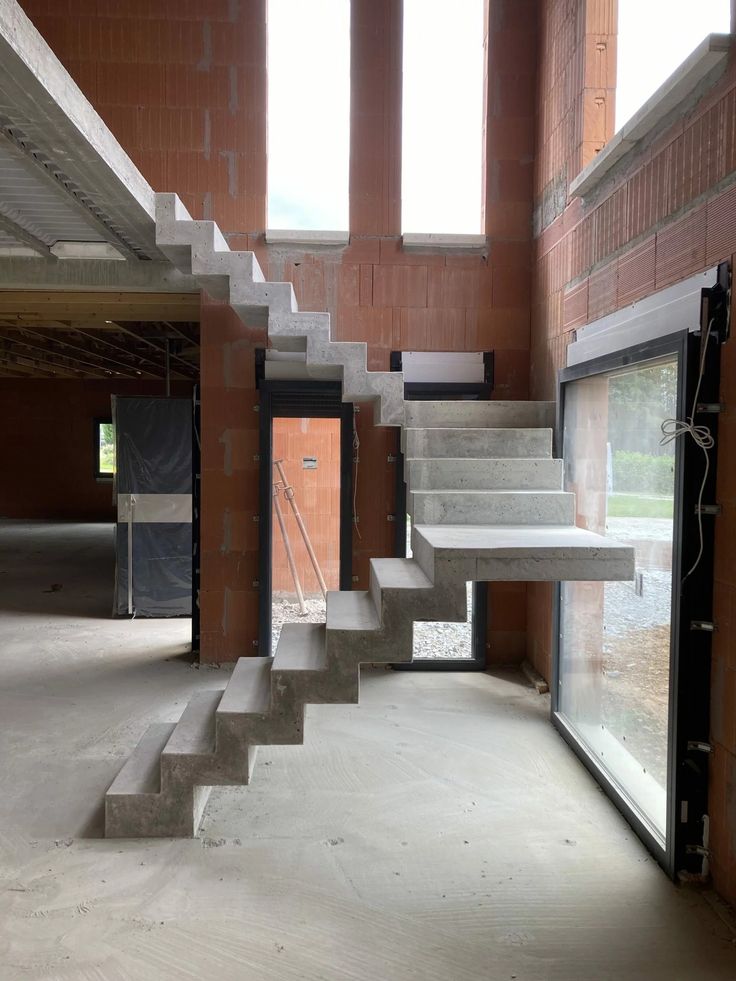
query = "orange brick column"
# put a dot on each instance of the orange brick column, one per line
(230, 505)
(505, 313)
(375, 112)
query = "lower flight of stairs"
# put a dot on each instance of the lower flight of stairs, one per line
(486, 501)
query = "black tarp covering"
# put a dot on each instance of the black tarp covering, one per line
(153, 440)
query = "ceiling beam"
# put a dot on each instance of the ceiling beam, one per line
(82, 306)
(55, 341)
(180, 333)
(8, 369)
(10, 224)
(79, 365)
(118, 347)
(156, 347)
(33, 366)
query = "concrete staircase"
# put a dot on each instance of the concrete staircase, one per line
(486, 501)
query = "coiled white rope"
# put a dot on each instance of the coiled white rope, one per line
(702, 437)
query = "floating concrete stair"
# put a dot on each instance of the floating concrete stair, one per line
(491, 507)
(476, 443)
(487, 504)
(466, 473)
(200, 250)
(479, 414)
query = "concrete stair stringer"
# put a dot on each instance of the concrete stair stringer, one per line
(199, 249)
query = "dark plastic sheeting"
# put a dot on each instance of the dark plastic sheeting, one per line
(154, 456)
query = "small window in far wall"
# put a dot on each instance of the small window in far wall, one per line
(104, 445)
(442, 117)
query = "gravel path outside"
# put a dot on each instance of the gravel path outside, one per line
(431, 640)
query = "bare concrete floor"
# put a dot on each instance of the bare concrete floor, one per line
(439, 832)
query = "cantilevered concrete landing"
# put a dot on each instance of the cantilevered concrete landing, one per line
(521, 552)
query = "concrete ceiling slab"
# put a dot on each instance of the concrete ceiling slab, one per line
(63, 175)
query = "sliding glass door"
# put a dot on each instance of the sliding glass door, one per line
(616, 638)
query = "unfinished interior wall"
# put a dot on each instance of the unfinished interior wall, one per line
(667, 215)
(47, 445)
(316, 495)
(183, 87)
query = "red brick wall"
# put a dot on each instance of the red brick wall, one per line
(47, 449)
(182, 84)
(671, 213)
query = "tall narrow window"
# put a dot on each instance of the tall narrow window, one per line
(308, 114)
(442, 116)
(654, 38)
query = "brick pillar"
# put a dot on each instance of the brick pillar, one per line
(375, 116)
(510, 119)
(229, 533)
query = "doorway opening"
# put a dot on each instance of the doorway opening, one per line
(305, 544)
(306, 517)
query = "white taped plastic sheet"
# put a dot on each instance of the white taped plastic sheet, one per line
(154, 499)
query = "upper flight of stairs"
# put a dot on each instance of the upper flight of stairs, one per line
(486, 501)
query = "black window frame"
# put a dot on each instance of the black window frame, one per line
(690, 650)
(296, 399)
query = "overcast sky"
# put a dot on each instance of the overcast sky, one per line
(309, 102)
(655, 36)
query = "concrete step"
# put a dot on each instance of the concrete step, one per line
(470, 474)
(277, 298)
(360, 384)
(194, 733)
(351, 611)
(215, 271)
(350, 354)
(301, 673)
(141, 774)
(448, 553)
(352, 624)
(476, 443)
(300, 370)
(479, 414)
(192, 755)
(135, 804)
(401, 591)
(249, 690)
(289, 332)
(396, 575)
(491, 507)
(356, 636)
(301, 647)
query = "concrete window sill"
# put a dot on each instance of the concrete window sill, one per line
(696, 75)
(285, 236)
(436, 242)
